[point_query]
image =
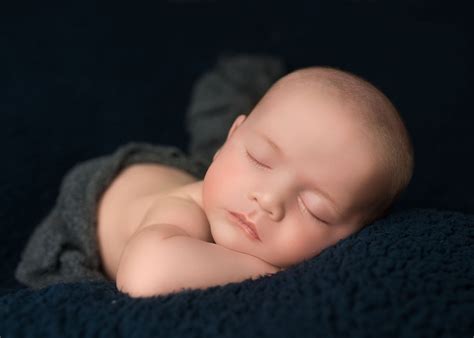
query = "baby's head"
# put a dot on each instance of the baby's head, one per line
(323, 154)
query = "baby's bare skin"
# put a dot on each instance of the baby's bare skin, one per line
(166, 201)
(148, 204)
(126, 201)
(299, 167)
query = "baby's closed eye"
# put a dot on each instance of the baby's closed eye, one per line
(304, 209)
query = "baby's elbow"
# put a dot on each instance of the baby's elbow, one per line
(133, 290)
(139, 273)
(138, 284)
(126, 283)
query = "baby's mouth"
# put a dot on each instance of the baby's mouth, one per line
(248, 226)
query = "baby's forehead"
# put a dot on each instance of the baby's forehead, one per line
(299, 117)
(311, 106)
(297, 124)
(342, 142)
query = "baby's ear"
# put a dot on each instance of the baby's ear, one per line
(237, 122)
(217, 152)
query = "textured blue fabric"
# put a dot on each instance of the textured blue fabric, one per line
(408, 275)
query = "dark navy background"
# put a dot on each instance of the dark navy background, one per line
(78, 79)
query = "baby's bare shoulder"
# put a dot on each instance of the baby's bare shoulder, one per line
(177, 208)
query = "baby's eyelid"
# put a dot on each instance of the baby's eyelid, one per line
(257, 163)
(305, 209)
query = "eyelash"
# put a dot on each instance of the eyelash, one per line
(254, 161)
(316, 219)
(260, 165)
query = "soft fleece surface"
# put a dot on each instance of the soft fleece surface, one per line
(407, 275)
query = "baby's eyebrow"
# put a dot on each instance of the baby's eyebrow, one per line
(280, 152)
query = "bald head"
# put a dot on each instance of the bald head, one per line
(368, 108)
(361, 97)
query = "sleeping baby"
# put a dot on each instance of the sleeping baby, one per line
(322, 154)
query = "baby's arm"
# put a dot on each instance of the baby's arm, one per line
(162, 258)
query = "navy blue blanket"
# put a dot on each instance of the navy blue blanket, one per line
(408, 275)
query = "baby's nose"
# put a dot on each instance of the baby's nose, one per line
(271, 204)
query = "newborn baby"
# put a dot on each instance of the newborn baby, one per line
(323, 154)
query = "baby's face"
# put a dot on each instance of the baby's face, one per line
(302, 198)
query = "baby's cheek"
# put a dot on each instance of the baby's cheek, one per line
(232, 169)
(211, 187)
(220, 180)
(293, 244)
(220, 173)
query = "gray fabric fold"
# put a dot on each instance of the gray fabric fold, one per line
(232, 87)
(64, 248)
